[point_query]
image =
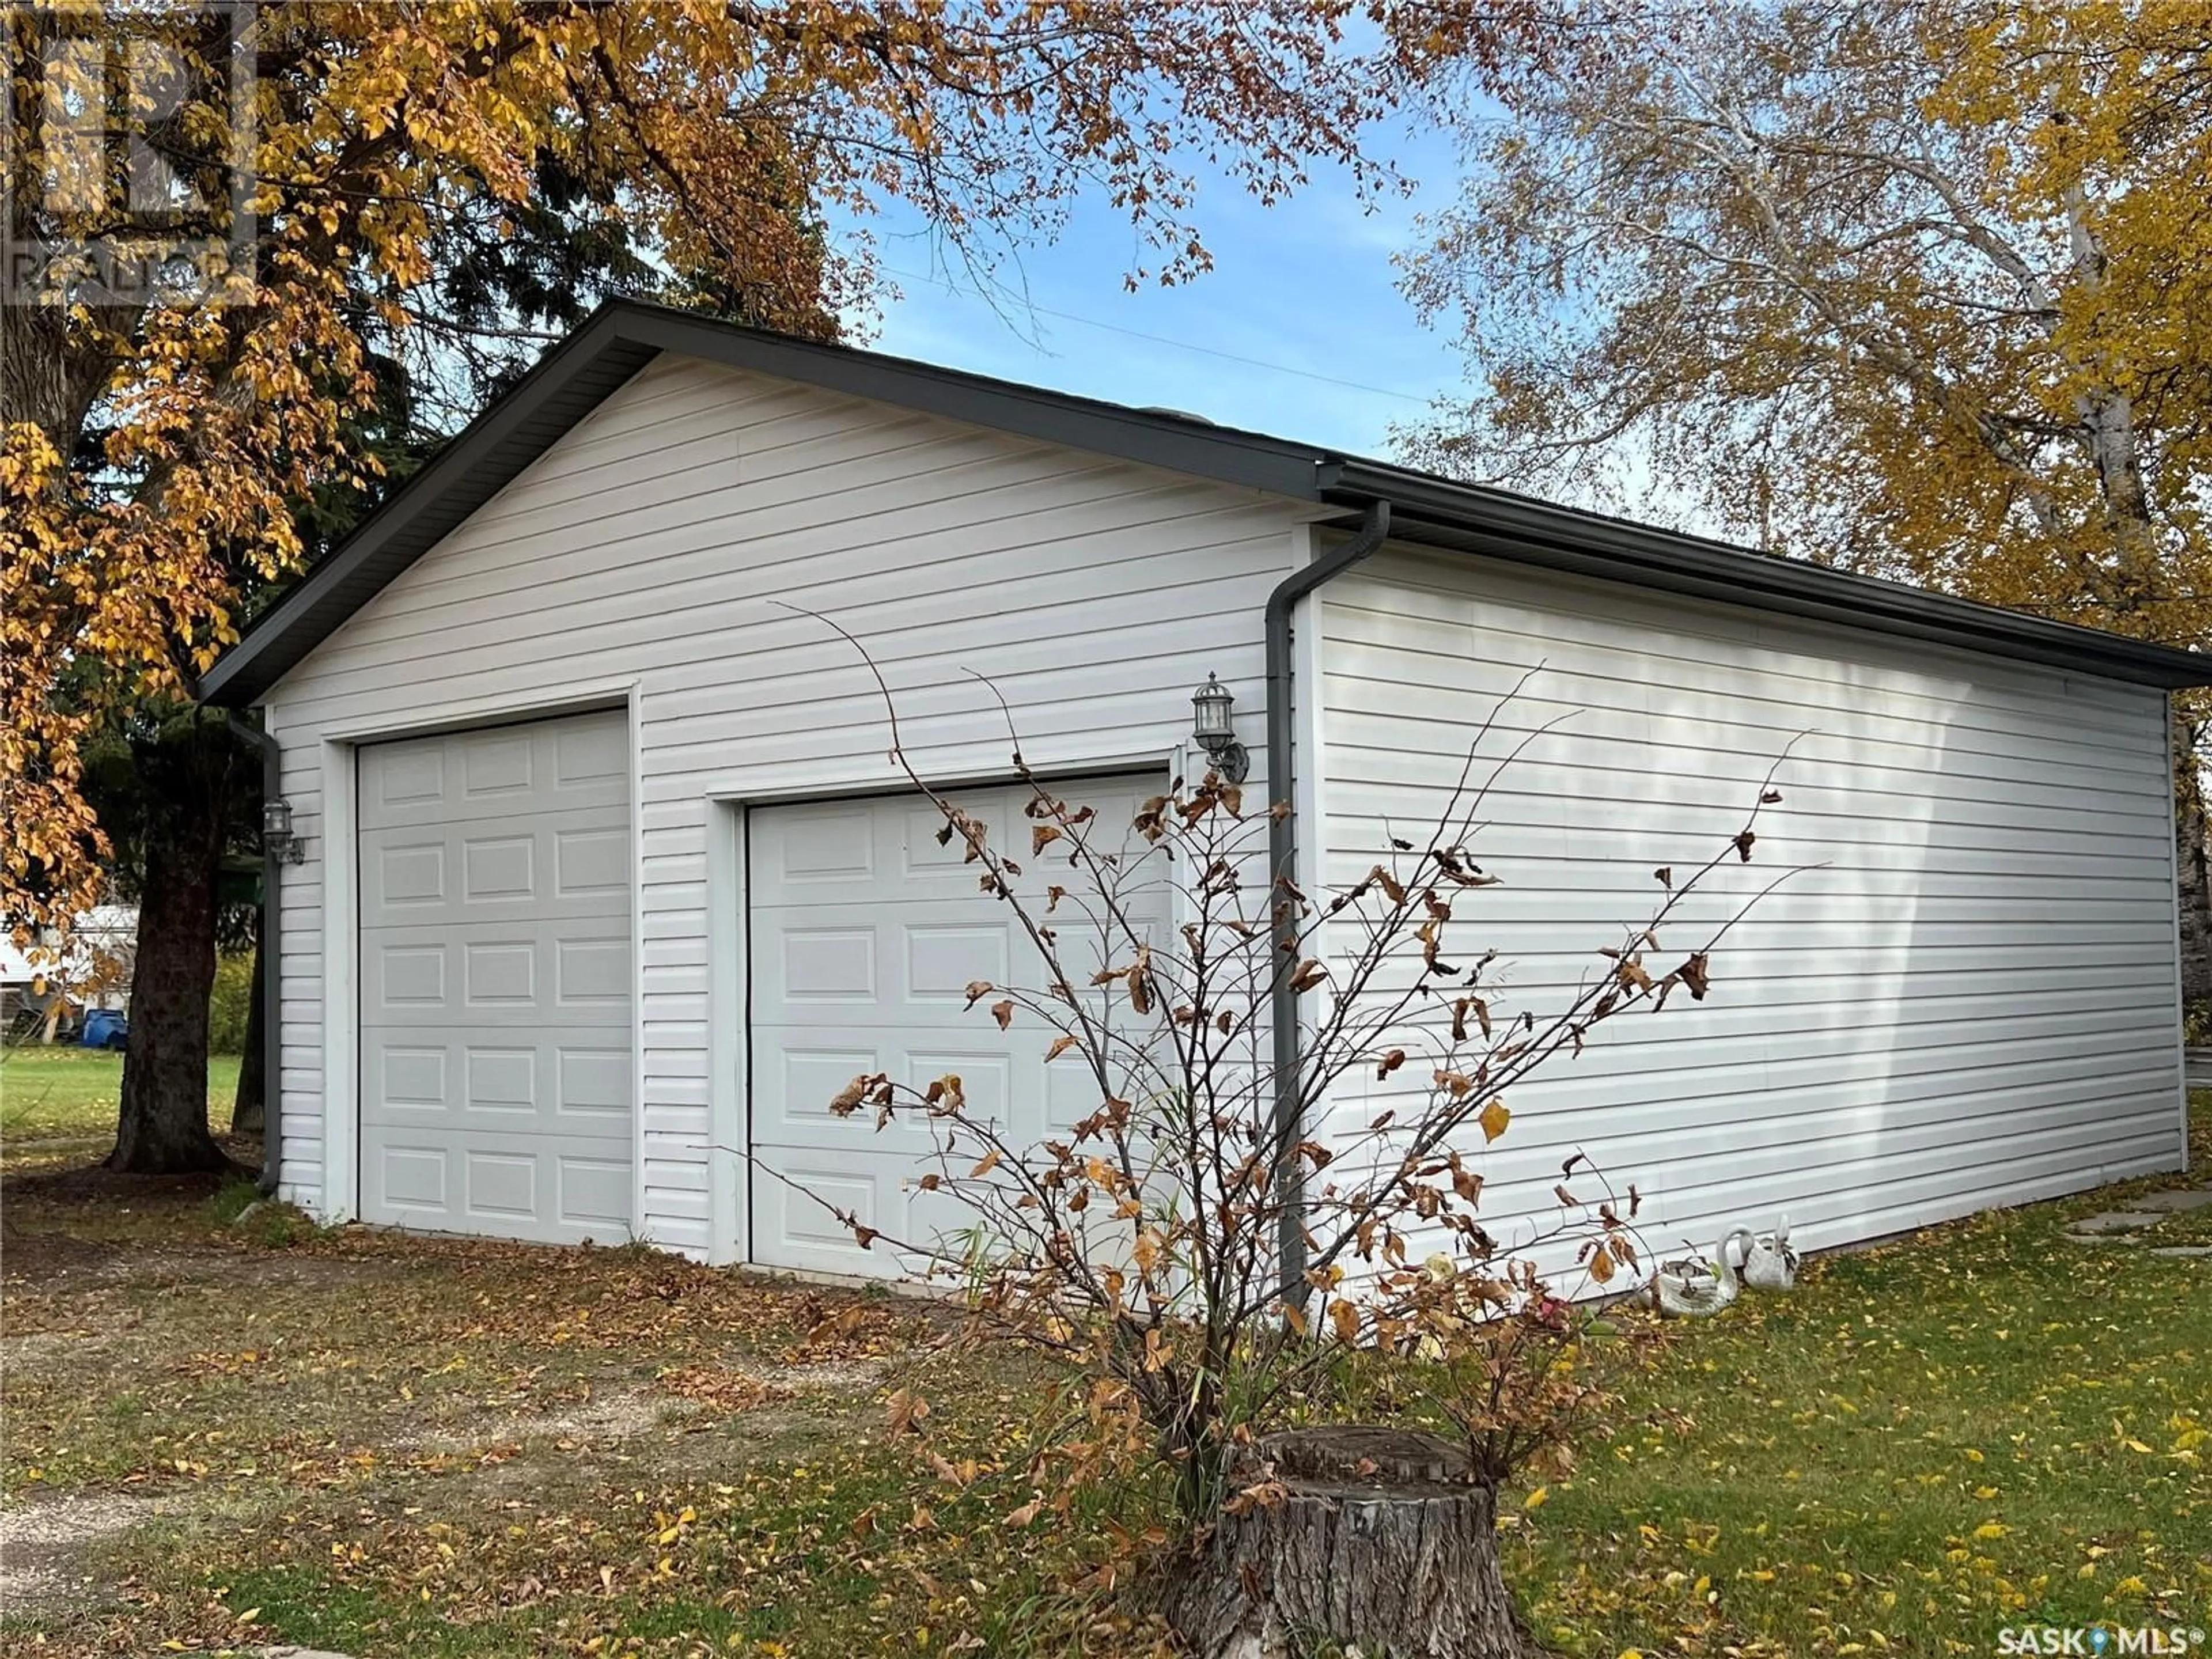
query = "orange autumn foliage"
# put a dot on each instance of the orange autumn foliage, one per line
(153, 446)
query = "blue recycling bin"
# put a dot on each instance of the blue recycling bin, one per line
(105, 1028)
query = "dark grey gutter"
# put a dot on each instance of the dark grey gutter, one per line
(272, 970)
(1288, 1176)
(1518, 529)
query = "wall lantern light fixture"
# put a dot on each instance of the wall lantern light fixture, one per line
(1210, 729)
(277, 832)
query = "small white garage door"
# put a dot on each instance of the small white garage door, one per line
(495, 1035)
(864, 935)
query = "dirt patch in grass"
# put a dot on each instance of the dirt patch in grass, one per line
(94, 1184)
(45, 1546)
(163, 1369)
(80, 1217)
(44, 1254)
(625, 1415)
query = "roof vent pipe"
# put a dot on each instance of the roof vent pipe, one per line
(1289, 1127)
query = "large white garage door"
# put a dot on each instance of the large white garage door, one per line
(864, 936)
(496, 1057)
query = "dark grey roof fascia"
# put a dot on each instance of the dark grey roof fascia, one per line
(620, 339)
(1522, 529)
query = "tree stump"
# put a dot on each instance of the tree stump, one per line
(1380, 1539)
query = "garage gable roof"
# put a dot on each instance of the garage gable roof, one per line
(622, 338)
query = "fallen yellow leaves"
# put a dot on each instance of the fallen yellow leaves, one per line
(723, 1389)
(670, 1527)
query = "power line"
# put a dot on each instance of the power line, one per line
(949, 286)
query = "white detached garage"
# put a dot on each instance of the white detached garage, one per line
(606, 885)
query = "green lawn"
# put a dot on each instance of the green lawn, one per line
(401, 1446)
(1988, 1425)
(58, 1100)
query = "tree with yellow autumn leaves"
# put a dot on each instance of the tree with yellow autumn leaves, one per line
(1917, 287)
(1920, 288)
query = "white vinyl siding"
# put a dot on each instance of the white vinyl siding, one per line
(648, 550)
(1971, 1001)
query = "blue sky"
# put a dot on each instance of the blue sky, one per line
(1305, 286)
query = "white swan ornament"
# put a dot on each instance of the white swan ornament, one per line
(1769, 1263)
(1694, 1287)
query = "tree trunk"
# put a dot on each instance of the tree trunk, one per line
(1378, 1537)
(248, 1110)
(2190, 833)
(163, 1125)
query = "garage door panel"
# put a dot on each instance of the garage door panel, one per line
(592, 977)
(405, 980)
(506, 1186)
(404, 876)
(865, 935)
(944, 871)
(1146, 895)
(909, 954)
(893, 1204)
(802, 1014)
(570, 864)
(404, 1180)
(941, 959)
(791, 1095)
(1003, 1089)
(546, 766)
(521, 971)
(404, 783)
(497, 1065)
(835, 965)
(590, 862)
(807, 1234)
(809, 849)
(792, 1103)
(558, 1080)
(1070, 1093)
(847, 851)
(593, 756)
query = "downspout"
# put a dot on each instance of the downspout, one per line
(1282, 858)
(272, 990)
